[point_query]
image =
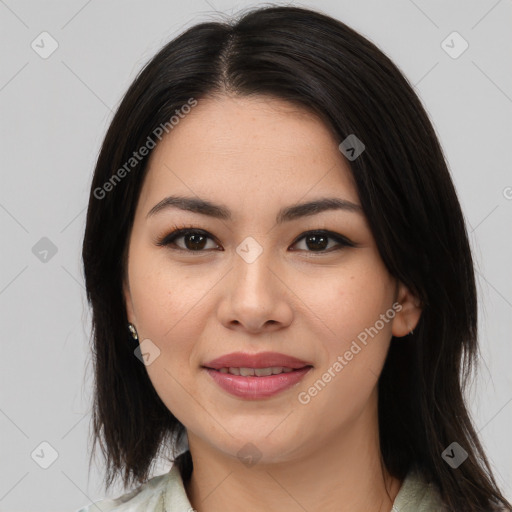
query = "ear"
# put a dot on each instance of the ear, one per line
(408, 317)
(128, 302)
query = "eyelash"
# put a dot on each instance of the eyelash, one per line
(180, 231)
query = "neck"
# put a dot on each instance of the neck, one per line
(339, 474)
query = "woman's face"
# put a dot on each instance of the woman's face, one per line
(254, 283)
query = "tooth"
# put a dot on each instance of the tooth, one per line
(259, 372)
(263, 372)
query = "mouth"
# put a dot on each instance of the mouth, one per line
(256, 376)
(257, 372)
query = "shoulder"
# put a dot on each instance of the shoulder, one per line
(160, 493)
(417, 495)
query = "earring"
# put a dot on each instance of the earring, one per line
(411, 330)
(133, 330)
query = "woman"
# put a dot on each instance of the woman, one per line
(280, 275)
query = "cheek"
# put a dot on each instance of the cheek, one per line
(351, 361)
(350, 300)
(166, 296)
(356, 311)
(169, 311)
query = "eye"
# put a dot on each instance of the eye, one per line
(318, 240)
(195, 240)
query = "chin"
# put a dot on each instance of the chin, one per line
(259, 448)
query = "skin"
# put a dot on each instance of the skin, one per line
(255, 156)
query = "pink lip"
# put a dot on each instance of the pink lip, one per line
(261, 360)
(255, 388)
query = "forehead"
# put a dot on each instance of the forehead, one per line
(248, 149)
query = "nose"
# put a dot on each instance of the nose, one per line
(256, 297)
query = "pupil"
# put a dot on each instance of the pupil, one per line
(195, 241)
(321, 241)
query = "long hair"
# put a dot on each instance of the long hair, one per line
(407, 195)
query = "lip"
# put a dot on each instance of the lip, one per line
(253, 387)
(256, 388)
(261, 360)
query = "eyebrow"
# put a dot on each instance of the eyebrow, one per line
(287, 214)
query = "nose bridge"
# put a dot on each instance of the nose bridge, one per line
(252, 264)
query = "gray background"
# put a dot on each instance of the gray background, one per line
(54, 114)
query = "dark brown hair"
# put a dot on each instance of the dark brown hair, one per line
(407, 195)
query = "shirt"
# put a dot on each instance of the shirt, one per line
(166, 493)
